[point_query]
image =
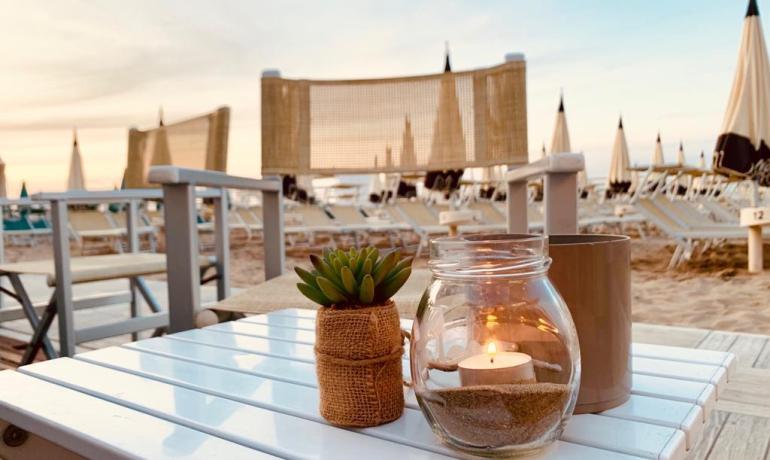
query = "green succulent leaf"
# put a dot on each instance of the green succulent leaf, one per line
(326, 270)
(366, 269)
(383, 267)
(313, 294)
(343, 258)
(349, 281)
(389, 288)
(330, 290)
(402, 264)
(336, 264)
(306, 276)
(366, 294)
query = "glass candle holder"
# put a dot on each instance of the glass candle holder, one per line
(495, 359)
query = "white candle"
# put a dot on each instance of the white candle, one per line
(493, 368)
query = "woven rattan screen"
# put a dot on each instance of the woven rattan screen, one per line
(447, 121)
(199, 143)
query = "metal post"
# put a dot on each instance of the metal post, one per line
(132, 219)
(222, 243)
(560, 197)
(517, 207)
(181, 256)
(61, 256)
(273, 240)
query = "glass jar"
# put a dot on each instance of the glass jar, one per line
(494, 354)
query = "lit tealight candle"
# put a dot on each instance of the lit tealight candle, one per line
(493, 368)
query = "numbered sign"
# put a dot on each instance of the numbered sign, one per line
(755, 216)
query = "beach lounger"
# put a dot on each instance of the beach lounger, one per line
(88, 269)
(235, 222)
(683, 233)
(315, 221)
(424, 221)
(350, 217)
(144, 227)
(88, 225)
(24, 230)
(251, 217)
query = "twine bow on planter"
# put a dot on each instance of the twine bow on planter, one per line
(358, 334)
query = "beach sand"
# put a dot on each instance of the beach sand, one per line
(713, 291)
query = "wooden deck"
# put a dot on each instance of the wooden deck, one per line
(738, 429)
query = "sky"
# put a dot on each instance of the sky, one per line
(104, 66)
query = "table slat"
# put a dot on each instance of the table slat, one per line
(715, 375)
(675, 414)
(95, 428)
(700, 393)
(254, 427)
(687, 355)
(631, 438)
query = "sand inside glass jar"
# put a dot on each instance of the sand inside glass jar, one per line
(497, 415)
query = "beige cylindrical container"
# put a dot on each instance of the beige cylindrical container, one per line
(593, 275)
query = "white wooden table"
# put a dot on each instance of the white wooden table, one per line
(247, 389)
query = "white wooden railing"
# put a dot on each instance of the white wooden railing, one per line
(182, 236)
(559, 193)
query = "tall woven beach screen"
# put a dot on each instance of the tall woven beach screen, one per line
(199, 143)
(451, 120)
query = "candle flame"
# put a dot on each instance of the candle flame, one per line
(491, 351)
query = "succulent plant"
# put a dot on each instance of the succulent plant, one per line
(354, 278)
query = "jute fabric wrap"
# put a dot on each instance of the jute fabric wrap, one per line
(358, 363)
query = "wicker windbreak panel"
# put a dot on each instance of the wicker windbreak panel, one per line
(451, 120)
(199, 143)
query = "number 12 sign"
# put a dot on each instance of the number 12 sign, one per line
(755, 216)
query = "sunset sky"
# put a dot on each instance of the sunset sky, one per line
(102, 66)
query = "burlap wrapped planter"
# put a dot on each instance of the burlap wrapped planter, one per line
(358, 362)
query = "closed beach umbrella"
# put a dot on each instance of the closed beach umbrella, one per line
(161, 155)
(560, 141)
(76, 179)
(742, 144)
(448, 146)
(680, 160)
(408, 157)
(619, 180)
(702, 161)
(24, 210)
(3, 191)
(447, 150)
(657, 155)
(685, 180)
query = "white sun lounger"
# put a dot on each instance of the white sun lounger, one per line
(686, 236)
